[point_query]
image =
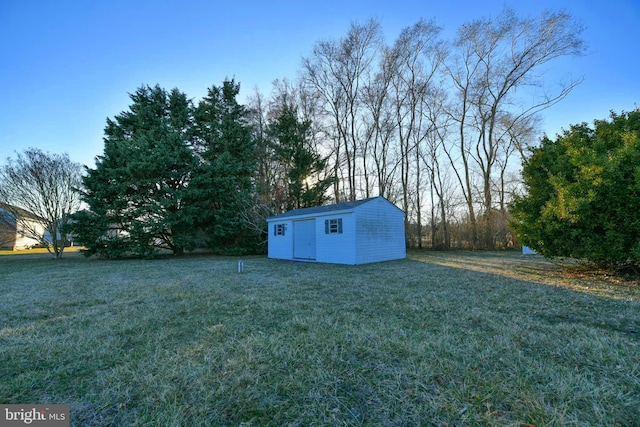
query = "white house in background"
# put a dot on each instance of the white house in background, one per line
(358, 232)
(13, 235)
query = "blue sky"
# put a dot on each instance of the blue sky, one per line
(65, 66)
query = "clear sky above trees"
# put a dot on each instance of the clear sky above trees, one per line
(68, 65)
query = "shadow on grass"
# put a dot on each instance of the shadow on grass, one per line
(536, 269)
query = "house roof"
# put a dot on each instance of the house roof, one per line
(14, 210)
(317, 210)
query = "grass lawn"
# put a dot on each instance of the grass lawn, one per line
(443, 339)
(38, 251)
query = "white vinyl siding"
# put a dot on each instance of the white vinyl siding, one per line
(370, 231)
(337, 247)
(379, 233)
(15, 237)
(281, 246)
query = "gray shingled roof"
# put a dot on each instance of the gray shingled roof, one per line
(323, 209)
(11, 211)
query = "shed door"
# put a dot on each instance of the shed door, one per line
(304, 239)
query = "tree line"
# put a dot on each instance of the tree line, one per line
(437, 126)
(178, 175)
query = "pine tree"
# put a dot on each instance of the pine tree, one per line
(300, 165)
(222, 187)
(136, 193)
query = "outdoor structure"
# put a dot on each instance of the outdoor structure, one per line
(358, 232)
(13, 225)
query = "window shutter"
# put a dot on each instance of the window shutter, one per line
(339, 225)
(275, 229)
(326, 226)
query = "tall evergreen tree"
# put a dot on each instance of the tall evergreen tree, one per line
(300, 164)
(136, 193)
(223, 184)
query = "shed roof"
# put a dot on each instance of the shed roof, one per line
(317, 210)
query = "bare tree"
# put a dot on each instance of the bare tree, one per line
(497, 62)
(514, 135)
(438, 128)
(380, 127)
(45, 185)
(439, 183)
(337, 71)
(417, 56)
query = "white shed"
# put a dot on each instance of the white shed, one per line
(358, 232)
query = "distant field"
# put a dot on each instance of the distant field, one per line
(443, 339)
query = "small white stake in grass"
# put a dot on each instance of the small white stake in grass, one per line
(240, 266)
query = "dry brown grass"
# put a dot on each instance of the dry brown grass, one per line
(567, 274)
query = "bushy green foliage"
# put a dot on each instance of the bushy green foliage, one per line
(172, 176)
(583, 197)
(136, 192)
(222, 184)
(175, 175)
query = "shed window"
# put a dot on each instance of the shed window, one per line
(333, 226)
(279, 229)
